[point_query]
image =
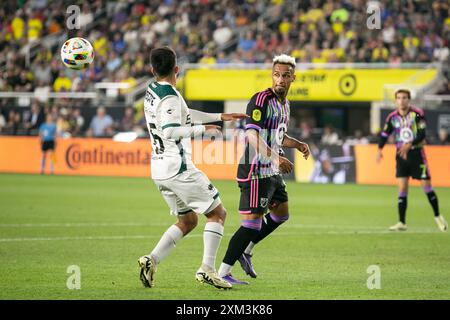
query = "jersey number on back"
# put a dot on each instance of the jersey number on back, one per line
(157, 141)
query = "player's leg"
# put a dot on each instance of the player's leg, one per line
(199, 194)
(250, 226)
(253, 203)
(212, 236)
(421, 172)
(278, 214)
(52, 161)
(44, 154)
(186, 221)
(402, 204)
(52, 156)
(433, 199)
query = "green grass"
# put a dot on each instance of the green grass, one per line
(104, 224)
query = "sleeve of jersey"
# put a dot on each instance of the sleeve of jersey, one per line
(204, 117)
(256, 111)
(170, 121)
(421, 130)
(385, 133)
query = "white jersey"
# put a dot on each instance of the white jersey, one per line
(164, 107)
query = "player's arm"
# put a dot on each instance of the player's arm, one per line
(205, 117)
(169, 112)
(290, 142)
(421, 130)
(384, 135)
(256, 113)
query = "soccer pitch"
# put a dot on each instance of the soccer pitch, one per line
(103, 225)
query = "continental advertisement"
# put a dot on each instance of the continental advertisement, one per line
(310, 85)
(357, 164)
(370, 172)
(104, 157)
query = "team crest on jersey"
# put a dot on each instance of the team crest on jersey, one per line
(264, 202)
(406, 135)
(256, 115)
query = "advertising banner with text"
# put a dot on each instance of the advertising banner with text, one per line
(310, 85)
(104, 157)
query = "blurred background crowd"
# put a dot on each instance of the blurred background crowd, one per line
(201, 31)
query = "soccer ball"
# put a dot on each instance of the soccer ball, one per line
(77, 53)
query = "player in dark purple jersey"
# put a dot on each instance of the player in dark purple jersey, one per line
(407, 124)
(259, 172)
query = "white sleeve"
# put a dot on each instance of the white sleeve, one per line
(204, 117)
(183, 132)
(170, 120)
(169, 112)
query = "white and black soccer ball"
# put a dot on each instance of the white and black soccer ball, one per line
(77, 53)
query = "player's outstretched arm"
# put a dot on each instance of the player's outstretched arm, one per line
(233, 116)
(303, 147)
(205, 117)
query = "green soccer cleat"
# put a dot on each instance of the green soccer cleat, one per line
(148, 269)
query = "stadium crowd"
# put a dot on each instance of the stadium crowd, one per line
(212, 32)
(201, 31)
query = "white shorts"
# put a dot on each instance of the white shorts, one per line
(190, 190)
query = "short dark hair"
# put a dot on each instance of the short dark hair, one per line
(163, 61)
(403, 91)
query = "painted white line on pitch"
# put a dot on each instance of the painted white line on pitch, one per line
(80, 224)
(363, 232)
(139, 224)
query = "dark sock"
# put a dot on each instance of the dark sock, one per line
(238, 244)
(402, 204)
(268, 226)
(432, 197)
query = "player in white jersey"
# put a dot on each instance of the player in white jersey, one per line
(186, 189)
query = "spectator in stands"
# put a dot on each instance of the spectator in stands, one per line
(127, 122)
(76, 122)
(305, 131)
(247, 43)
(222, 34)
(13, 125)
(329, 136)
(62, 123)
(33, 119)
(101, 124)
(2, 120)
(357, 138)
(443, 137)
(62, 83)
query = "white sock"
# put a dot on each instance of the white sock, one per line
(212, 235)
(167, 242)
(249, 248)
(224, 269)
